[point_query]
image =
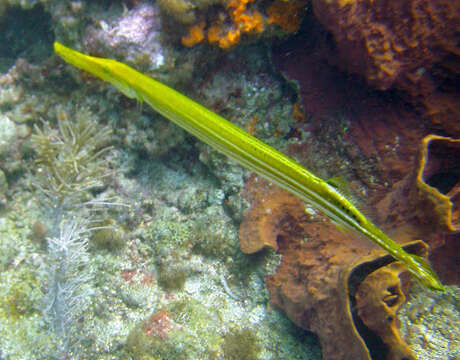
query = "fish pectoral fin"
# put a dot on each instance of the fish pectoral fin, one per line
(340, 185)
(343, 187)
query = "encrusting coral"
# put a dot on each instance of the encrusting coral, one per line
(262, 224)
(244, 21)
(410, 45)
(195, 34)
(240, 18)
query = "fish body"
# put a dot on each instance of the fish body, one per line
(248, 151)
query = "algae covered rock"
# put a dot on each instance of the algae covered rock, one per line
(8, 135)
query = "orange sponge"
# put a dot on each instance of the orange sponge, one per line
(195, 34)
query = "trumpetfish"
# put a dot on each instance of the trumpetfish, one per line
(249, 151)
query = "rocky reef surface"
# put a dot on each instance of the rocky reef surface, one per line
(121, 236)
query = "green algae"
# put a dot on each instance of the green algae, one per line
(19, 293)
(172, 279)
(240, 344)
(110, 236)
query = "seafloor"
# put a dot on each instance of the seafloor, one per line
(120, 233)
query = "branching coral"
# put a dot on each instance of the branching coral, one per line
(70, 157)
(70, 163)
(68, 288)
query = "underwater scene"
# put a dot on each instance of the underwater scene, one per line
(229, 180)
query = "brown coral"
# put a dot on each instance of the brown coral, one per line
(263, 224)
(407, 44)
(320, 272)
(427, 202)
(288, 15)
(378, 300)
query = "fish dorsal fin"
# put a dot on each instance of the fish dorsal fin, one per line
(343, 188)
(340, 184)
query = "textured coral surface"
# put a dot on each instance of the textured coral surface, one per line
(378, 300)
(350, 130)
(409, 44)
(307, 285)
(425, 204)
(372, 138)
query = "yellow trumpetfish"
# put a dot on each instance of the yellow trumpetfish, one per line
(248, 151)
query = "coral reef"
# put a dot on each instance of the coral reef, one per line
(368, 137)
(240, 344)
(134, 36)
(68, 288)
(185, 11)
(242, 18)
(181, 277)
(427, 201)
(8, 136)
(287, 14)
(195, 35)
(439, 176)
(321, 272)
(430, 323)
(313, 290)
(378, 300)
(71, 158)
(244, 22)
(263, 224)
(410, 45)
(70, 163)
(152, 337)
